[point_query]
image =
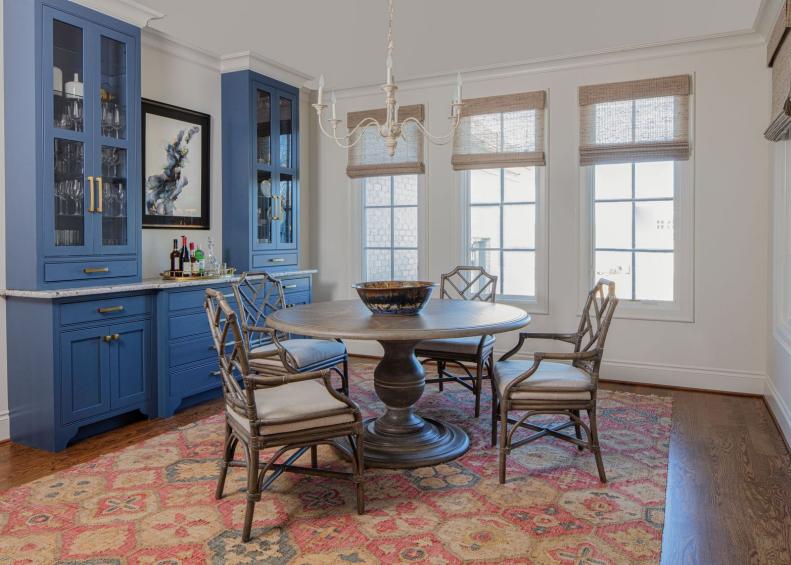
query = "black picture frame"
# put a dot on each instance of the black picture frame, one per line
(203, 121)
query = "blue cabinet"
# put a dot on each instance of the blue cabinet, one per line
(72, 91)
(260, 121)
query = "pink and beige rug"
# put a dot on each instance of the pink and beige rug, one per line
(154, 503)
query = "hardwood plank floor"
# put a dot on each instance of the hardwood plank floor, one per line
(729, 483)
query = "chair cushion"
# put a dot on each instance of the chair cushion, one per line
(294, 400)
(552, 381)
(462, 345)
(306, 352)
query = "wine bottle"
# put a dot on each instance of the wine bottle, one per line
(200, 258)
(184, 258)
(193, 268)
(174, 257)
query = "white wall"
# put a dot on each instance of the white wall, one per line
(724, 347)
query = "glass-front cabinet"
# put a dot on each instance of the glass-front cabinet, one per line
(260, 119)
(85, 213)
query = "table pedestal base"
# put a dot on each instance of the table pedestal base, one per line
(399, 438)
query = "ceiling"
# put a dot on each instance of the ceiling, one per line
(345, 39)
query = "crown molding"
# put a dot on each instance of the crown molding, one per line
(248, 60)
(127, 11)
(569, 62)
(165, 43)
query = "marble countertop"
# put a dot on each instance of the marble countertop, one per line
(145, 284)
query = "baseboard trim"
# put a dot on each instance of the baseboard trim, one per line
(779, 411)
(5, 426)
(704, 379)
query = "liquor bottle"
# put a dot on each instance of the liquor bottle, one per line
(200, 258)
(174, 257)
(184, 258)
(193, 268)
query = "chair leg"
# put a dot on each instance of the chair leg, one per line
(253, 494)
(577, 428)
(229, 447)
(503, 440)
(314, 457)
(440, 371)
(359, 471)
(495, 406)
(594, 444)
(477, 387)
(345, 377)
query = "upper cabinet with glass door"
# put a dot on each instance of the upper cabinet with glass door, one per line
(260, 120)
(81, 209)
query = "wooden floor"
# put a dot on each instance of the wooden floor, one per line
(729, 484)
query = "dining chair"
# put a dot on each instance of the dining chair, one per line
(260, 294)
(555, 383)
(463, 283)
(291, 411)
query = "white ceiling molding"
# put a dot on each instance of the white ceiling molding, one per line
(767, 15)
(247, 60)
(624, 55)
(165, 43)
(127, 11)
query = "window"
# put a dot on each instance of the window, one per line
(390, 228)
(501, 222)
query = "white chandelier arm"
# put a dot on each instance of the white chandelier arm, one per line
(341, 140)
(437, 139)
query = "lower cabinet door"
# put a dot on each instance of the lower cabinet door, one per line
(129, 365)
(85, 375)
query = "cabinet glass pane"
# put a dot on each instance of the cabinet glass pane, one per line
(286, 131)
(112, 91)
(114, 196)
(69, 193)
(264, 127)
(285, 212)
(67, 76)
(265, 210)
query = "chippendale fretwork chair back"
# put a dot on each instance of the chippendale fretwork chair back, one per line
(555, 383)
(291, 411)
(257, 296)
(463, 283)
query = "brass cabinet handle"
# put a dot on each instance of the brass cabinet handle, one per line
(277, 260)
(289, 286)
(110, 309)
(92, 204)
(113, 337)
(101, 194)
(91, 270)
(276, 205)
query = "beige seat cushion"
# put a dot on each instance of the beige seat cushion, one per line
(306, 352)
(463, 345)
(552, 381)
(294, 400)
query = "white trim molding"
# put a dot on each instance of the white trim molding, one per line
(248, 60)
(127, 11)
(5, 425)
(780, 410)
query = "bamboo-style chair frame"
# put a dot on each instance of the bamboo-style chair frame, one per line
(588, 342)
(258, 294)
(240, 399)
(464, 283)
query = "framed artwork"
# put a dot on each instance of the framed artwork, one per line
(176, 162)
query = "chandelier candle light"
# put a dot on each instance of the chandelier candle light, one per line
(392, 129)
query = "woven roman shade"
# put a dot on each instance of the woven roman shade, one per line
(369, 156)
(501, 131)
(640, 120)
(778, 56)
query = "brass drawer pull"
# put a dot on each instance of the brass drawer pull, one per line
(277, 260)
(289, 286)
(110, 309)
(92, 270)
(113, 337)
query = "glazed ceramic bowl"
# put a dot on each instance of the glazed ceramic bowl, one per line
(405, 298)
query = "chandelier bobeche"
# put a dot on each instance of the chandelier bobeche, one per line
(392, 129)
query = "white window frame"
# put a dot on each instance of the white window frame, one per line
(681, 308)
(538, 304)
(781, 236)
(358, 235)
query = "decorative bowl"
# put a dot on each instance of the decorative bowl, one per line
(405, 298)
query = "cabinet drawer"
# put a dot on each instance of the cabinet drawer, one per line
(188, 325)
(190, 299)
(107, 309)
(83, 271)
(274, 260)
(291, 286)
(192, 350)
(191, 381)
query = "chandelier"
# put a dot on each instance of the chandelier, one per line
(391, 130)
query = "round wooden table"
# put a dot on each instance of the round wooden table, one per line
(400, 438)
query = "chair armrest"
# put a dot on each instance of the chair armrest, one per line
(570, 338)
(324, 375)
(579, 356)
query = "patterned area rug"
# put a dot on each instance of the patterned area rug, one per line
(153, 502)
